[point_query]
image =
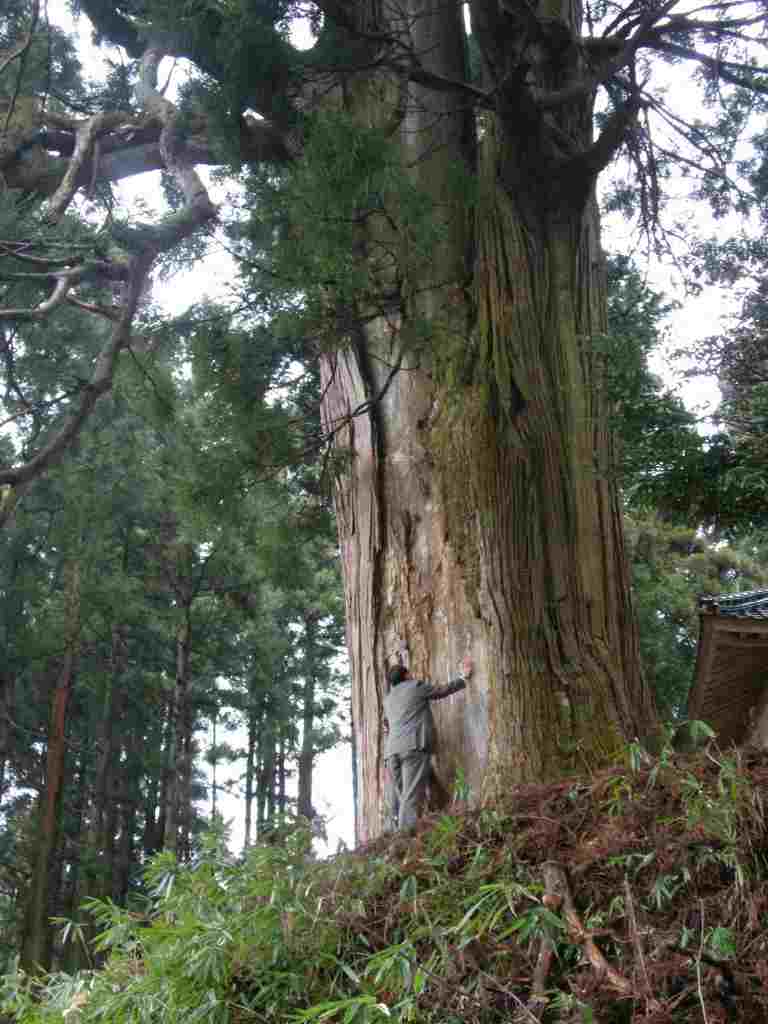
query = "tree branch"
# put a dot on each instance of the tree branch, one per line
(144, 243)
(549, 100)
(100, 382)
(134, 148)
(442, 83)
(17, 51)
(199, 206)
(63, 282)
(45, 263)
(609, 141)
(87, 134)
(724, 69)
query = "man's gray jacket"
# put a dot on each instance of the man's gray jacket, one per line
(407, 710)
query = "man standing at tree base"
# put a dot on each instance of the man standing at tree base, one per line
(410, 739)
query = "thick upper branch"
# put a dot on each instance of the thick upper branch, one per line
(610, 139)
(86, 135)
(131, 147)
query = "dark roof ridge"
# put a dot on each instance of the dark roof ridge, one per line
(747, 603)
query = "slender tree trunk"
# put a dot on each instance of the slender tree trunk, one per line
(267, 758)
(250, 773)
(151, 823)
(130, 799)
(214, 757)
(6, 705)
(186, 813)
(282, 793)
(478, 512)
(304, 806)
(125, 857)
(170, 784)
(37, 940)
(158, 836)
(9, 626)
(177, 795)
(115, 791)
(98, 840)
(76, 857)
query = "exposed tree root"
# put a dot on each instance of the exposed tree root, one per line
(557, 887)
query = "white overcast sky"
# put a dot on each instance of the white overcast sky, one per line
(699, 316)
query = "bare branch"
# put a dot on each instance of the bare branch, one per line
(30, 409)
(48, 263)
(87, 134)
(724, 69)
(133, 148)
(63, 121)
(694, 137)
(442, 83)
(63, 282)
(181, 41)
(112, 313)
(724, 27)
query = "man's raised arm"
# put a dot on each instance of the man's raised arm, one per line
(467, 668)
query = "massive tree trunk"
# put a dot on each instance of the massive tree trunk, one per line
(477, 508)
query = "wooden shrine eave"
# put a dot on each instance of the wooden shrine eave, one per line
(741, 639)
(741, 627)
(730, 685)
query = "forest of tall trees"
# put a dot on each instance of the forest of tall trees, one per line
(421, 420)
(146, 638)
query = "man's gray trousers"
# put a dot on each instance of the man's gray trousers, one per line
(410, 774)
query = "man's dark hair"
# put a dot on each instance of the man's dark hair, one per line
(396, 675)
